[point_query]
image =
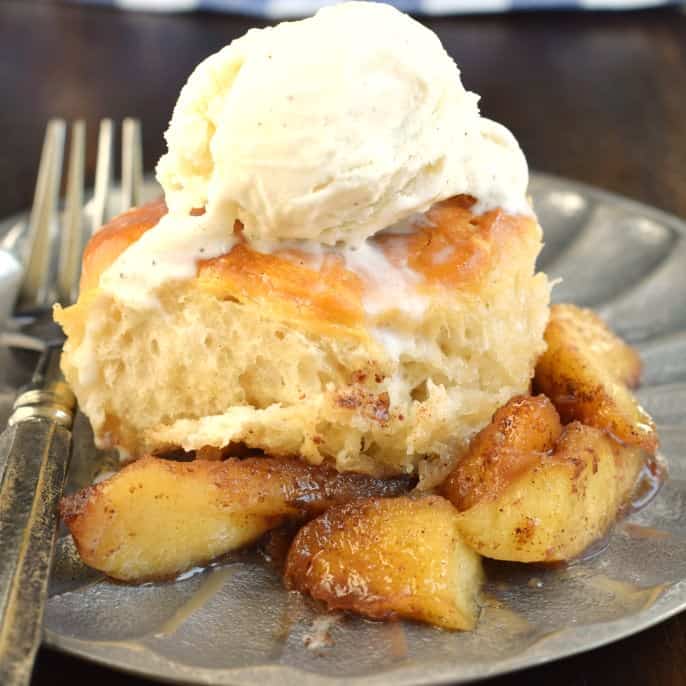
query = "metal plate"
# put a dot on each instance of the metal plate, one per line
(234, 623)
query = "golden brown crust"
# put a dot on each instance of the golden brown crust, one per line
(265, 349)
(107, 244)
(331, 293)
(459, 249)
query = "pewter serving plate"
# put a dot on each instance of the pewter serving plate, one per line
(233, 623)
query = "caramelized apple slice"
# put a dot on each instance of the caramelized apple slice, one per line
(385, 558)
(503, 450)
(528, 493)
(156, 518)
(587, 371)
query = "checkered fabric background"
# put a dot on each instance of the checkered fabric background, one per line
(281, 9)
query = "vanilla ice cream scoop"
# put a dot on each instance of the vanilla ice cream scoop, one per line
(332, 128)
(322, 131)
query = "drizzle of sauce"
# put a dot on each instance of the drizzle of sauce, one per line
(294, 611)
(625, 593)
(505, 618)
(650, 480)
(638, 531)
(274, 546)
(208, 589)
(397, 639)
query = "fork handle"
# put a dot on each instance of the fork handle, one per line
(34, 454)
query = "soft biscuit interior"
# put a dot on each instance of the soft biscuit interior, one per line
(385, 359)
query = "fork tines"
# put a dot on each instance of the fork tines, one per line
(54, 242)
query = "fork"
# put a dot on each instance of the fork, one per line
(35, 448)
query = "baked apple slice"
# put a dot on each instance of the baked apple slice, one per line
(387, 558)
(156, 518)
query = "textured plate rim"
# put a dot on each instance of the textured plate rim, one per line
(627, 203)
(674, 597)
(404, 675)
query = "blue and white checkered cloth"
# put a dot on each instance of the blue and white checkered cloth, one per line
(282, 9)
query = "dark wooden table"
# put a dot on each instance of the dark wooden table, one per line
(596, 97)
